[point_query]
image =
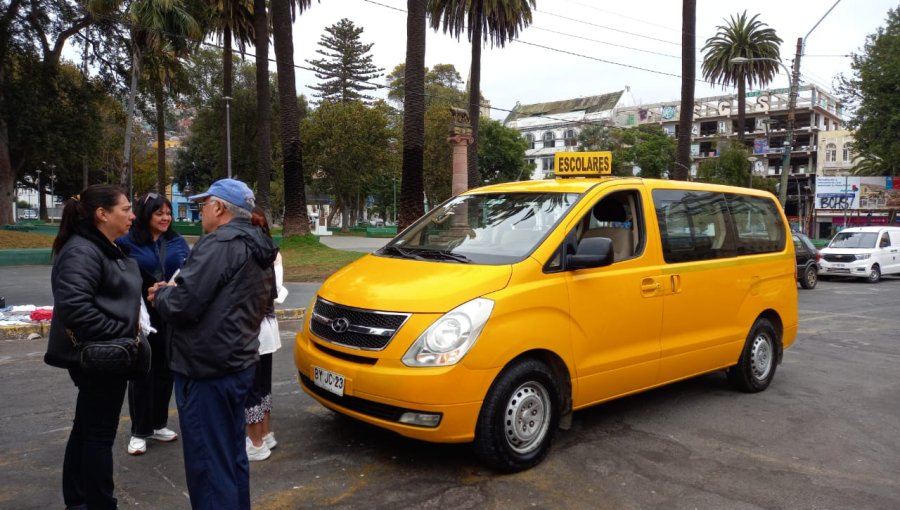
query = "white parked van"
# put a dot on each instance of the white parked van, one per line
(864, 252)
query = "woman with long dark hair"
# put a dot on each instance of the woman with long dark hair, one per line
(159, 252)
(258, 410)
(96, 296)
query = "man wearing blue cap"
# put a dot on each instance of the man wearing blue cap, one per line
(215, 306)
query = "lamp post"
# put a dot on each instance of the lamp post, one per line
(793, 78)
(228, 133)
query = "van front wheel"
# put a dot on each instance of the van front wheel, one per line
(874, 275)
(756, 366)
(519, 417)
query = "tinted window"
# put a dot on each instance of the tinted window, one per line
(757, 224)
(700, 225)
(694, 225)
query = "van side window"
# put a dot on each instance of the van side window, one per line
(617, 216)
(885, 241)
(694, 225)
(757, 223)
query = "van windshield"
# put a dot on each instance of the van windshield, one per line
(854, 240)
(489, 228)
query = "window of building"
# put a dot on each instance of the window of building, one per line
(830, 153)
(529, 138)
(549, 139)
(570, 138)
(846, 152)
(547, 164)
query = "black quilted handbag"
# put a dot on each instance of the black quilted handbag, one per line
(128, 356)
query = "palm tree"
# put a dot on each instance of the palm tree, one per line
(163, 32)
(296, 219)
(232, 22)
(263, 107)
(688, 73)
(497, 21)
(747, 38)
(412, 184)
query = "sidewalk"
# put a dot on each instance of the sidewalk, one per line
(30, 285)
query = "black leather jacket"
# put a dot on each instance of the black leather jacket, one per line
(96, 295)
(219, 301)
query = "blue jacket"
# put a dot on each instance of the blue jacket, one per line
(147, 256)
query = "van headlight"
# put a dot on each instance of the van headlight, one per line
(862, 256)
(450, 337)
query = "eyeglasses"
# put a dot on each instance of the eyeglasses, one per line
(150, 196)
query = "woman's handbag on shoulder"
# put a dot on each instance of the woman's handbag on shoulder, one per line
(127, 356)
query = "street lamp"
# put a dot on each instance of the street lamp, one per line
(228, 133)
(793, 78)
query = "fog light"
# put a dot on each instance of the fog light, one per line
(421, 419)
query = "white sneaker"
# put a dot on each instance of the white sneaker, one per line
(270, 441)
(164, 434)
(137, 446)
(255, 453)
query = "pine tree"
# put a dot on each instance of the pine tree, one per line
(346, 70)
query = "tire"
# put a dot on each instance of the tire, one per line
(874, 274)
(519, 417)
(756, 367)
(810, 277)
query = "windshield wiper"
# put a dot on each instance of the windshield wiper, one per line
(445, 255)
(405, 253)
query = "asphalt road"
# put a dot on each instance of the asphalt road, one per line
(825, 435)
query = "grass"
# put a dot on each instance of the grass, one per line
(12, 240)
(308, 260)
(305, 258)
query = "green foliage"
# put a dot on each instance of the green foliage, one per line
(647, 146)
(501, 153)
(873, 91)
(346, 70)
(732, 167)
(741, 37)
(348, 147)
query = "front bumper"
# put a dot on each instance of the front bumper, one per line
(858, 268)
(379, 389)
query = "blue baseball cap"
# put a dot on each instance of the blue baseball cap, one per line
(230, 190)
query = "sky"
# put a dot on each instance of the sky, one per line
(576, 48)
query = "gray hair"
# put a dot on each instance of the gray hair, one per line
(235, 211)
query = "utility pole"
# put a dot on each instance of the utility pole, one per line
(789, 140)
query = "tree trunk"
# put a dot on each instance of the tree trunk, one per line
(227, 90)
(411, 183)
(742, 105)
(296, 218)
(475, 97)
(682, 169)
(7, 177)
(160, 140)
(263, 108)
(125, 175)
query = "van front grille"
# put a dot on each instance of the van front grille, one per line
(354, 327)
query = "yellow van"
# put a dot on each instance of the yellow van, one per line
(506, 308)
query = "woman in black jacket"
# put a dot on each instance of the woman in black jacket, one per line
(96, 296)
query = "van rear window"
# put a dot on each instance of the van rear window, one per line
(699, 225)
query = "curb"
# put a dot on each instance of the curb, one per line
(23, 331)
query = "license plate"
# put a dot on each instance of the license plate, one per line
(838, 265)
(329, 381)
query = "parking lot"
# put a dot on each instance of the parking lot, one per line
(825, 435)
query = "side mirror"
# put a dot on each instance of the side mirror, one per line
(591, 252)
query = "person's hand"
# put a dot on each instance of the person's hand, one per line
(151, 292)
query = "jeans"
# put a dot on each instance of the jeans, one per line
(88, 463)
(213, 432)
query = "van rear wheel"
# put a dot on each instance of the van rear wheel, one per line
(756, 367)
(519, 417)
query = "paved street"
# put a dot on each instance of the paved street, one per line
(825, 435)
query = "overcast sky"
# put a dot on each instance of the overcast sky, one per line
(588, 47)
